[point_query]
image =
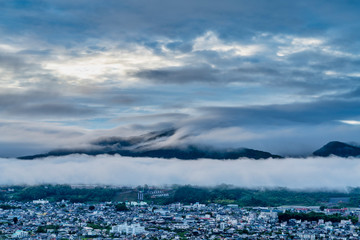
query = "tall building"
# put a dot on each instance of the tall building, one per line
(140, 196)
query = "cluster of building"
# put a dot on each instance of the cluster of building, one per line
(64, 220)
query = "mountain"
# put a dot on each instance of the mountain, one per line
(338, 149)
(146, 146)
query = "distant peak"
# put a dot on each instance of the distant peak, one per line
(338, 149)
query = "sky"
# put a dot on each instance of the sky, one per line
(279, 76)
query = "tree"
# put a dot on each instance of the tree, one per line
(121, 207)
(189, 194)
(15, 219)
(41, 229)
(91, 208)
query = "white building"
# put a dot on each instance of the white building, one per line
(19, 234)
(222, 226)
(40, 201)
(181, 226)
(136, 203)
(132, 229)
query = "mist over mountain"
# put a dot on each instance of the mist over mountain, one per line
(149, 145)
(161, 144)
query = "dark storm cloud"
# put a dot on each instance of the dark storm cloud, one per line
(352, 94)
(149, 117)
(123, 99)
(289, 114)
(307, 66)
(258, 71)
(305, 71)
(35, 104)
(180, 75)
(55, 110)
(14, 98)
(305, 81)
(67, 22)
(13, 62)
(54, 103)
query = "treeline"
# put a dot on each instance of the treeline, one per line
(66, 192)
(7, 207)
(259, 197)
(314, 216)
(222, 194)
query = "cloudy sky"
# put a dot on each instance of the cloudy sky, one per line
(280, 76)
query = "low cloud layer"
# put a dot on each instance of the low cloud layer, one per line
(220, 72)
(297, 173)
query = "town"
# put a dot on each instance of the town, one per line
(41, 219)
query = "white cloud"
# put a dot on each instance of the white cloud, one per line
(210, 41)
(331, 172)
(350, 122)
(97, 66)
(297, 44)
(8, 48)
(354, 74)
(288, 45)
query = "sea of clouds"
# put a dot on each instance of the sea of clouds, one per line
(297, 173)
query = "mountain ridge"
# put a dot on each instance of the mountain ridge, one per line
(147, 145)
(141, 146)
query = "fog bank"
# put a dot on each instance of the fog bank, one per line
(314, 172)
